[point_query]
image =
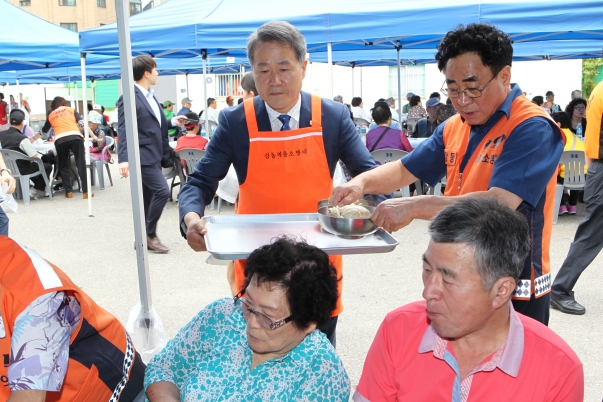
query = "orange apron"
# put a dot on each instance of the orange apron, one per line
(287, 172)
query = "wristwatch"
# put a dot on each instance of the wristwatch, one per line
(8, 170)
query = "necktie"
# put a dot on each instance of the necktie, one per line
(284, 118)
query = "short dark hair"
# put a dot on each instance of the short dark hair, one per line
(142, 64)
(304, 272)
(499, 236)
(240, 101)
(356, 101)
(1, 96)
(435, 95)
(210, 101)
(569, 109)
(381, 113)
(16, 117)
(248, 83)
(563, 119)
(539, 100)
(414, 101)
(57, 102)
(492, 46)
(90, 107)
(444, 112)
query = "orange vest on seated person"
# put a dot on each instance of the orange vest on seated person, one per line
(63, 122)
(287, 173)
(100, 342)
(476, 177)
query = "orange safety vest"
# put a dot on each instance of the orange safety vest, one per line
(287, 173)
(100, 342)
(476, 177)
(63, 122)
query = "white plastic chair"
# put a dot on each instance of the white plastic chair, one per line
(212, 127)
(575, 178)
(109, 141)
(191, 156)
(410, 126)
(387, 155)
(10, 159)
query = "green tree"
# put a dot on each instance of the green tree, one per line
(590, 70)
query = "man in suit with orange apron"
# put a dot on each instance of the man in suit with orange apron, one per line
(498, 145)
(284, 144)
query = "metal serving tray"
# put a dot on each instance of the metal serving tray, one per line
(234, 237)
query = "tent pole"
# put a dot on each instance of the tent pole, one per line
(330, 61)
(77, 98)
(92, 85)
(10, 107)
(399, 81)
(86, 135)
(17, 99)
(353, 65)
(142, 257)
(204, 55)
(187, 94)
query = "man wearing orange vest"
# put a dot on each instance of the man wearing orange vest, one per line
(587, 242)
(284, 145)
(498, 145)
(56, 343)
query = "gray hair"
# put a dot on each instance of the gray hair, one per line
(281, 32)
(390, 101)
(338, 98)
(499, 236)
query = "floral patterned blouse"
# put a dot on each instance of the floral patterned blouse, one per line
(40, 342)
(210, 360)
(417, 112)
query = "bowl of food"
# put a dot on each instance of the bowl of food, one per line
(349, 222)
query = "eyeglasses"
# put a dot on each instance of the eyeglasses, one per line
(580, 108)
(262, 318)
(469, 92)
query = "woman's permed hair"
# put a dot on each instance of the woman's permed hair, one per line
(306, 274)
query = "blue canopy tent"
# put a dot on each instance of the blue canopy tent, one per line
(187, 28)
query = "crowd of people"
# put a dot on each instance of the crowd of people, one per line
(482, 328)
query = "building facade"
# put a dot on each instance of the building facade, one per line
(78, 15)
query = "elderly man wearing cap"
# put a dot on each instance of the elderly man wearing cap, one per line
(98, 137)
(229, 101)
(186, 106)
(425, 127)
(550, 104)
(406, 107)
(168, 111)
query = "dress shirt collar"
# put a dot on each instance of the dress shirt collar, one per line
(294, 113)
(510, 359)
(145, 93)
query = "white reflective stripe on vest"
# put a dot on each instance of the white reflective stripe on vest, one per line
(292, 137)
(46, 274)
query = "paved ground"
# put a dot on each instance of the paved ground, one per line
(98, 255)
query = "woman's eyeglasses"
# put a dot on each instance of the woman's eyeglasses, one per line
(262, 318)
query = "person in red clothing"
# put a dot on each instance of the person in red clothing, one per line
(3, 113)
(193, 138)
(466, 342)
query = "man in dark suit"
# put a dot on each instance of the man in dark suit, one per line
(154, 146)
(284, 144)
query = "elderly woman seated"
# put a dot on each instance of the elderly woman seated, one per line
(265, 344)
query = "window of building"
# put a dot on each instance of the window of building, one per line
(412, 78)
(72, 26)
(101, 3)
(24, 3)
(228, 84)
(135, 7)
(66, 2)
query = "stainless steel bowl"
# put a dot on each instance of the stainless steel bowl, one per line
(344, 227)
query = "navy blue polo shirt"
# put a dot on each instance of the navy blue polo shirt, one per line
(525, 166)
